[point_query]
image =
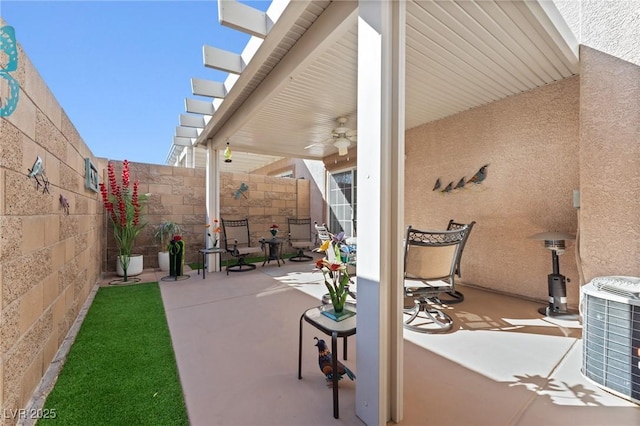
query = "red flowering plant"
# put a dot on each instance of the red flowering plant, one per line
(274, 229)
(124, 207)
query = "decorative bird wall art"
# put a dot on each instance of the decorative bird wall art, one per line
(476, 179)
(37, 172)
(241, 191)
(325, 362)
(64, 204)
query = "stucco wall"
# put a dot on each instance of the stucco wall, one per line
(612, 27)
(610, 165)
(311, 170)
(530, 142)
(49, 260)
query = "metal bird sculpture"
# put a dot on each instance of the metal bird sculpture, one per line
(325, 361)
(37, 172)
(480, 175)
(448, 188)
(437, 185)
(460, 183)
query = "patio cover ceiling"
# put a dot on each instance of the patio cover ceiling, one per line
(459, 55)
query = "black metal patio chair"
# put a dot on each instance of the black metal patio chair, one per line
(300, 238)
(237, 242)
(430, 259)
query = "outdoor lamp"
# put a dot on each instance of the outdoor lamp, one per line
(555, 241)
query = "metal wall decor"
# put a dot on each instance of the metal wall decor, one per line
(64, 203)
(476, 179)
(8, 64)
(91, 175)
(241, 191)
(37, 173)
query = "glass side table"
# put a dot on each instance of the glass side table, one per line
(204, 253)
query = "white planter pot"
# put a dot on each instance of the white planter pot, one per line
(163, 260)
(135, 266)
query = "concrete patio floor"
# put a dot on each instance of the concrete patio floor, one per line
(236, 343)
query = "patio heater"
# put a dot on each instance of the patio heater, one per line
(555, 241)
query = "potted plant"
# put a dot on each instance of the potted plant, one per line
(124, 207)
(164, 233)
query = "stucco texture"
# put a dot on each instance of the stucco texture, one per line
(530, 143)
(610, 165)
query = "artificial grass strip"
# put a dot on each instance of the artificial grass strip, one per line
(121, 370)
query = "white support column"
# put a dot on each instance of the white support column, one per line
(381, 41)
(213, 200)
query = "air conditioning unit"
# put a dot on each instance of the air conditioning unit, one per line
(611, 335)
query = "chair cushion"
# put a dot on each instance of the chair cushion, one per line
(302, 244)
(426, 284)
(247, 250)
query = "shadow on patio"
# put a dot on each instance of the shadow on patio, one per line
(236, 342)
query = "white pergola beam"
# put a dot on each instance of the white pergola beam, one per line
(212, 89)
(242, 17)
(198, 107)
(189, 120)
(327, 29)
(187, 132)
(222, 60)
(181, 141)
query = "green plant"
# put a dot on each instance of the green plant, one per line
(164, 233)
(336, 277)
(121, 369)
(124, 207)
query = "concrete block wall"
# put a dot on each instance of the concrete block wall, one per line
(177, 194)
(268, 200)
(49, 260)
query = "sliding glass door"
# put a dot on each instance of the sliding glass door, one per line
(342, 202)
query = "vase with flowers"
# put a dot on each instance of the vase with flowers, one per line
(124, 205)
(213, 235)
(274, 230)
(336, 279)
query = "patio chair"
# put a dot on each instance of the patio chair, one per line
(237, 243)
(430, 259)
(300, 238)
(458, 297)
(322, 232)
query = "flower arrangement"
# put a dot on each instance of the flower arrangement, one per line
(274, 229)
(336, 275)
(124, 207)
(215, 231)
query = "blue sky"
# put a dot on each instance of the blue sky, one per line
(121, 69)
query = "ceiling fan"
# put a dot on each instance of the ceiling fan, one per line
(341, 137)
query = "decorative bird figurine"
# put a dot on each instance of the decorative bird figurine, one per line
(37, 168)
(325, 361)
(480, 175)
(460, 183)
(448, 188)
(437, 185)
